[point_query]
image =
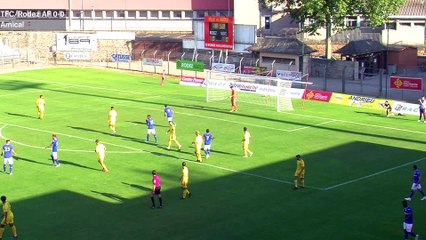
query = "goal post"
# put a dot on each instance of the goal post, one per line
(265, 91)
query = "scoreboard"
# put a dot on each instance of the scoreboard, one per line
(219, 32)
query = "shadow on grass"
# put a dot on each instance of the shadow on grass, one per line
(20, 115)
(137, 186)
(112, 196)
(77, 165)
(33, 161)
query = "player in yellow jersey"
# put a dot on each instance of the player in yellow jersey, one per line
(198, 141)
(40, 103)
(300, 172)
(7, 219)
(112, 118)
(184, 181)
(172, 136)
(246, 142)
(100, 151)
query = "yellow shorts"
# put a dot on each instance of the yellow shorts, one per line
(184, 183)
(302, 175)
(9, 221)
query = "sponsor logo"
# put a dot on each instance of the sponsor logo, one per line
(120, 58)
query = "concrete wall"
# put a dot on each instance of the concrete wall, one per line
(404, 35)
(333, 69)
(39, 43)
(247, 12)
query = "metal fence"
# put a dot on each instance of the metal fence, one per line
(367, 82)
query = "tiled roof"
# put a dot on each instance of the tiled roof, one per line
(413, 8)
(280, 45)
(361, 47)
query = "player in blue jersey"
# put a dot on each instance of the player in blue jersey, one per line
(54, 153)
(8, 154)
(168, 112)
(408, 221)
(207, 138)
(151, 128)
(416, 184)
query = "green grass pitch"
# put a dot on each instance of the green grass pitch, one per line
(358, 164)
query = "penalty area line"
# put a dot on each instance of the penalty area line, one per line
(373, 175)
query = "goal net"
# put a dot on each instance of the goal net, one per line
(269, 92)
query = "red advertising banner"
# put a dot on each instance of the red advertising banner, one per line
(192, 81)
(406, 83)
(219, 32)
(254, 70)
(317, 95)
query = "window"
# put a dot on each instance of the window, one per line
(131, 14)
(87, 14)
(351, 22)
(98, 14)
(165, 14)
(143, 14)
(212, 13)
(153, 14)
(76, 14)
(391, 25)
(120, 14)
(405, 24)
(200, 14)
(189, 14)
(420, 24)
(177, 14)
(109, 14)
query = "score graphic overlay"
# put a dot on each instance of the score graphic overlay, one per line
(219, 32)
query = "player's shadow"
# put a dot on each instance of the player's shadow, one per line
(32, 161)
(163, 154)
(77, 165)
(143, 123)
(137, 186)
(383, 115)
(20, 115)
(90, 130)
(112, 196)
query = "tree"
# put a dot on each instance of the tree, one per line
(331, 13)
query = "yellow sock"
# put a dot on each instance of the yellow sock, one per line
(295, 183)
(1, 232)
(14, 231)
(302, 182)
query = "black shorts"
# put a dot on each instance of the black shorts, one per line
(157, 191)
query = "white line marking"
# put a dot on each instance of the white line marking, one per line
(213, 118)
(143, 151)
(357, 123)
(134, 150)
(253, 175)
(318, 124)
(373, 175)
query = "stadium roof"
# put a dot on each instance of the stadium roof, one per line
(280, 45)
(361, 47)
(413, 8)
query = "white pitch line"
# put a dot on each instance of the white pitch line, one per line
(253, 175)
(373, 175)
(62, 149)
(72, 136)
(213, 118)
(143, 151)
(357, 123)
(318, 124)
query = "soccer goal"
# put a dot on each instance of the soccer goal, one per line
(265, 91)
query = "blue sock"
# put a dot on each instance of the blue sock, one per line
(57, 162)
(206, 152)
(411, 194)
(53, 160)
(4, 167)
(155, 137)
(412, 234)
(10, 168)
(147, 137)
(422, 193)
(405, 234)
